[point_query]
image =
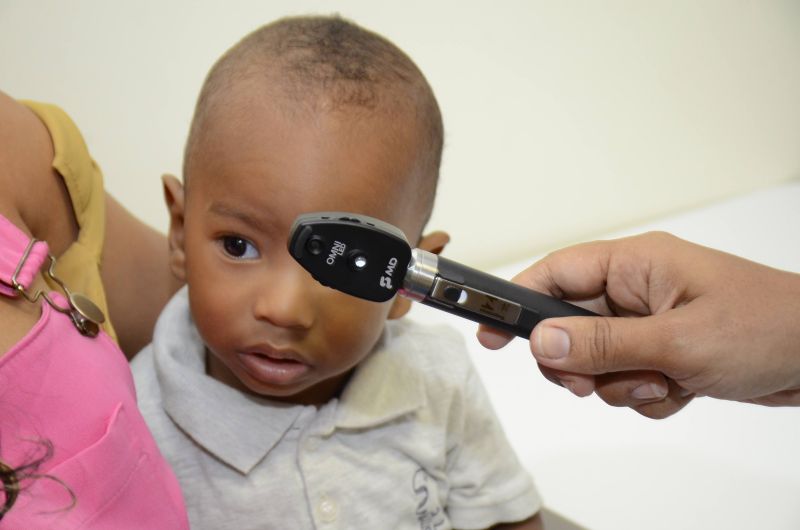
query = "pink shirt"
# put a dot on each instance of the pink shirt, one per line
(75, 394)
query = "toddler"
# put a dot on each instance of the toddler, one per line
(281, 403)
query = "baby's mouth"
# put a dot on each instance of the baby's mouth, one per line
(275, 367)
(276, 355)
(277, 360)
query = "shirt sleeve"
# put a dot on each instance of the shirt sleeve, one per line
(79, 265)
(488, 485)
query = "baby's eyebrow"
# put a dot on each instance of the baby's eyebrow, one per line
(251, 218)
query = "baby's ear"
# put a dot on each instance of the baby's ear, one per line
(433, 242)
(174, 198)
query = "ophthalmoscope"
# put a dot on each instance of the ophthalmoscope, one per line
(371, 259)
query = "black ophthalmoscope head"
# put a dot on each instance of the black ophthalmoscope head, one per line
(352, 253)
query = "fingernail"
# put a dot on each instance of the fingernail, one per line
(553, 379)
(649, 391)
(490, 340)
(580, 390)
(552, 343)
(570, 385)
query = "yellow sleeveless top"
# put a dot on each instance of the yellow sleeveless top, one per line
(79, 265)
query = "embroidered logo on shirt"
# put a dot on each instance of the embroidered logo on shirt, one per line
(429, 514)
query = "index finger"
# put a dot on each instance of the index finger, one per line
(578, 272)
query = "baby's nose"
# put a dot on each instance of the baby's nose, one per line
(285, 299)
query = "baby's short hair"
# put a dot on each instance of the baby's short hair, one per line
(329, 59)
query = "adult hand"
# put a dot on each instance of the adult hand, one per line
(682, 319)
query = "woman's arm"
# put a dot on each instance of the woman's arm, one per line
(136, 276)
(32, 194)
(34, 198)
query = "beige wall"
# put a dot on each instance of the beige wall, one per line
(564, 119)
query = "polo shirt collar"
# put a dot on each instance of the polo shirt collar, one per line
(384, 386)
(238, 428)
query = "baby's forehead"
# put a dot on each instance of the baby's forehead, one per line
(300, 160)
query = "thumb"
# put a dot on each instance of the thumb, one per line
(598, 345)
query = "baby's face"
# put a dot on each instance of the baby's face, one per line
(269, 327)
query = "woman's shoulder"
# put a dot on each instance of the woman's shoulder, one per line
(31, 198)
(33, 195)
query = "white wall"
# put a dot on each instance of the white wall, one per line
(564, 119)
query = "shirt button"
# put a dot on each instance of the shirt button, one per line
(328, 509)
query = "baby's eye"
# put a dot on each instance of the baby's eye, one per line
(239, 248)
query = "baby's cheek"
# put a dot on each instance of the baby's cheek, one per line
(210, 332)
(210, 322)
(354, 333)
